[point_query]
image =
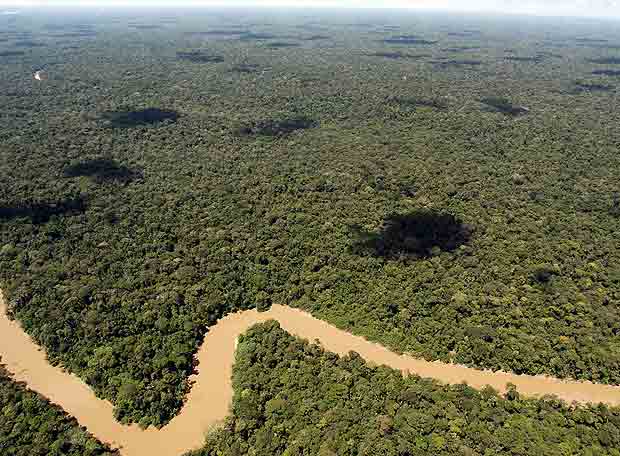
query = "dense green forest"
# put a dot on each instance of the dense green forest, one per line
(448, 186)
(31, 426)
(292, 398)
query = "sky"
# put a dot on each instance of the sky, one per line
(583, 8)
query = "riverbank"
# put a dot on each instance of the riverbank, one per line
(208, 402)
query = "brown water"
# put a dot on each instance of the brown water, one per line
(210, 397)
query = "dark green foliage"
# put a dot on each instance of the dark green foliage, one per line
(130, 119)
(408, 188)
(102, 170)
(122, 293)
(200, 57)
(503, 105)
(544, 273)
(278, 127)
(415, 235)
(31, 426)
(41, 212)
(412, 103)
(292, 398)
(614, 210)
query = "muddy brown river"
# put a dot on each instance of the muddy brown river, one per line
(209, 400)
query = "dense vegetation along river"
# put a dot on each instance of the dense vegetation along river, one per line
(210, 397)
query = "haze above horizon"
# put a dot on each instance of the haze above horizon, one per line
(579, 8)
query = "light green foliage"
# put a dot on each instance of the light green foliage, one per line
(119, 247)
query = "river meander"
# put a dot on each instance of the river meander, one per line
(209, 400)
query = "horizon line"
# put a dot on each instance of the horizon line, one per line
(571, 9)
(13, 8)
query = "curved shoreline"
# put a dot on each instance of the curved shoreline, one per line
(209, 399)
